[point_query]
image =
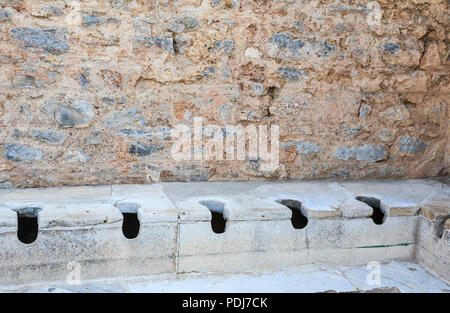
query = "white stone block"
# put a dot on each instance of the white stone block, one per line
(152, 203)
(400, 198)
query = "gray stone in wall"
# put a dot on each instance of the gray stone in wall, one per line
(386, 135)
(324, 48)
(164, 43)
(209, 71)
(181, 44)
(129, 117)
(361, 153)
(25, 111)
(390, 171)
(47, 11)
(121, 4)
(389, 47)
(225, 110)
(108, 100)
(176, 27)
(342, 172)
(16, 133)
(290, 73)
(143, 25)
(53, 11)
(48, 136)
(51, 41)
(410, 145)
(231, 4)
(6, 185)
(29, 77)
(189, 173)
(20, 153)
(304, 148)
(76, 157)
(284, 42)
(141, 149)
(89, 20)
(78, 113)
(364, 111)
(345, 153)
(256, 89)
(162, 132)
(183, 24)
(95, 138)
(83, 80)
(225, 45)
(353, 132)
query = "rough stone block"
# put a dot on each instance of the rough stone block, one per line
(52, 41)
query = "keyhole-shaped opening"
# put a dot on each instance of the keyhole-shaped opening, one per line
(218, 222)
(298, 219)
(378, 215)
(27, 225)
(130, 224)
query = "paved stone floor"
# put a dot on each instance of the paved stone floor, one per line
(395, 277)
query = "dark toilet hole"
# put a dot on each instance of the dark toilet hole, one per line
(439, 225)
(28, 226)
(298, 219)
(131, 224)
(378, 215)
(218, 222)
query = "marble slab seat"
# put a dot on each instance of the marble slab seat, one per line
(259, 232)
(88, 231)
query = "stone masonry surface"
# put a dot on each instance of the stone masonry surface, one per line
(89, 90)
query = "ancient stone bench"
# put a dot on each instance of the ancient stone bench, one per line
(137, 230)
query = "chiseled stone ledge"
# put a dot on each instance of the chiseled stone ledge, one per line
(221, 227)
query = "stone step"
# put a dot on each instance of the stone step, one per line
(135, 230)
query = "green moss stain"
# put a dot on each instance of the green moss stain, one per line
(404, 244)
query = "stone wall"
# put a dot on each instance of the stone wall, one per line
(89, 90)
